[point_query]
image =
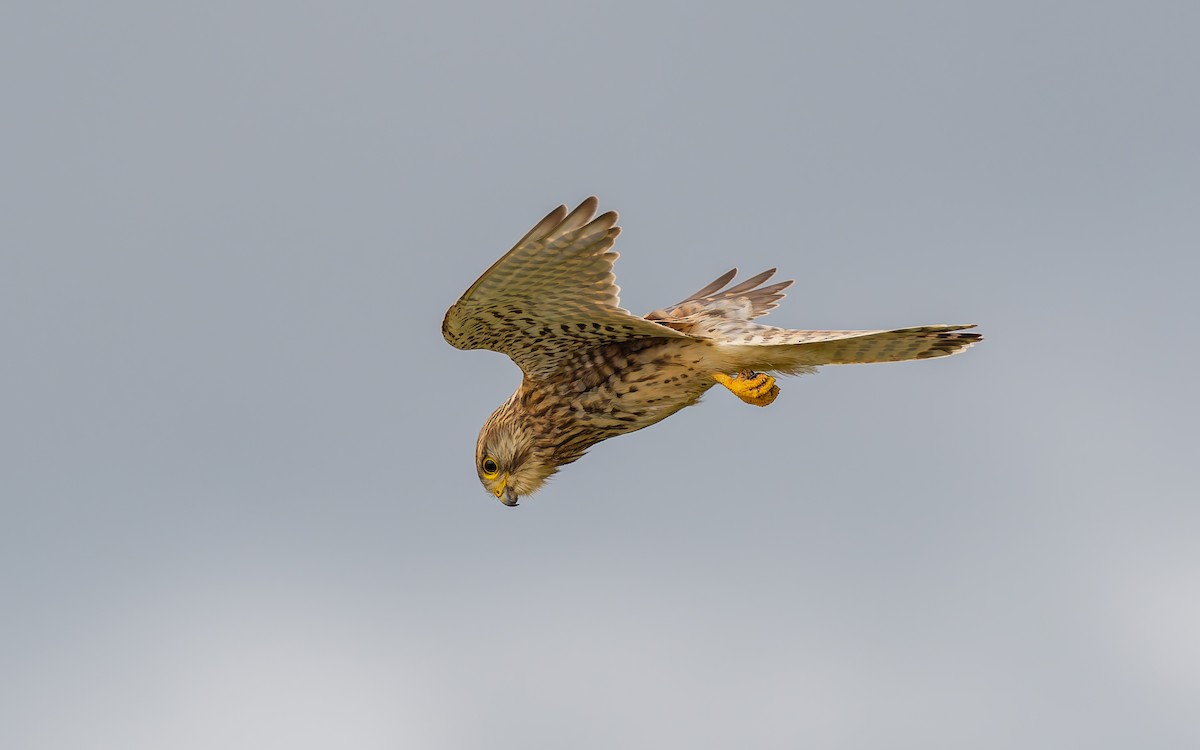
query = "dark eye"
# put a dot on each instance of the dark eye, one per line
(489, 466)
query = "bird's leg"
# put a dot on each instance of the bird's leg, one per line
(757, 388)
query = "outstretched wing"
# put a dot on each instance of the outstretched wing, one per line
(551, 295)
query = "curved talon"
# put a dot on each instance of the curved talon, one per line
(755, 388)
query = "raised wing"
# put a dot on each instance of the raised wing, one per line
(715, 305)
(725, 317)
(553, 294)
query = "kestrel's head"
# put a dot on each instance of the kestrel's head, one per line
(507, 458)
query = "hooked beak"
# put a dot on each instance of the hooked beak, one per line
(505, 494)
(509, 497)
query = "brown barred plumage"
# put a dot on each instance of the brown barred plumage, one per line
(594, 370)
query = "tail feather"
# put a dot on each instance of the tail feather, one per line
(783, 350)
(724, 318)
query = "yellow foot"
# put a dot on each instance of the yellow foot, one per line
(757, 388)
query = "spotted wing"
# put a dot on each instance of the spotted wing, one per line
(553, 294)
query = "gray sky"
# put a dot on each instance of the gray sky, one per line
(239, 508)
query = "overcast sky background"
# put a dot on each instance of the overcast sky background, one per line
(238, 502)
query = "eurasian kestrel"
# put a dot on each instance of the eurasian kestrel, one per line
(594, 370)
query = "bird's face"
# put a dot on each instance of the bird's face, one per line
(508, 464)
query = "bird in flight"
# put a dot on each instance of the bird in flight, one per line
(593, 370)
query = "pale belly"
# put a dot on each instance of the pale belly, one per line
(625, 387)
